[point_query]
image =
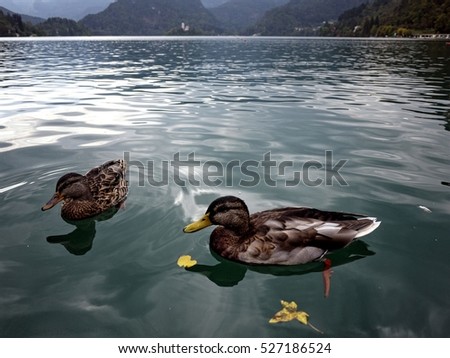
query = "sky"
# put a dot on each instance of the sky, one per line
(74, 9)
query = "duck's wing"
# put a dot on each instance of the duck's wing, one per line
(299, 235)
(108, 183)
(117, 165)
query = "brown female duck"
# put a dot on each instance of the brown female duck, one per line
(286, 236)
(88, 195)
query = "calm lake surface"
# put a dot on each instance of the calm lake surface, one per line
(382, 106)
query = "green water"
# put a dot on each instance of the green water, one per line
(381, 106)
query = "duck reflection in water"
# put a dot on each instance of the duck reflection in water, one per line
(229, 273)
(80, 240)
(289, 240)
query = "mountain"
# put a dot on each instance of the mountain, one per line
(25, 18)
(90, 9)
(152, 17)
(394, 18)
(237, 15)
(297, 16)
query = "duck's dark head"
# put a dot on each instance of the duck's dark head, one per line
(227, 211)
(69, 186)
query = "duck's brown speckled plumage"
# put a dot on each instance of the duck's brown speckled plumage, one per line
(88, 195)
(287, 236)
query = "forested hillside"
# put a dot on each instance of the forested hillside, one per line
(300, 17)
(56, 26)
(152, 17)
(393, 18)
(12, 25)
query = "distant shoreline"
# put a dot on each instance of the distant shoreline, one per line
(442, 37)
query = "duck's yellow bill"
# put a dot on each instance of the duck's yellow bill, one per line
(198, 225)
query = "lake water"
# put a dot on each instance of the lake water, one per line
(375, 111)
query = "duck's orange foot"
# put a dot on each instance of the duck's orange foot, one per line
(326, 274)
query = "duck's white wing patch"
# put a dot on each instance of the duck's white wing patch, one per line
(329, 229)
(302, 224)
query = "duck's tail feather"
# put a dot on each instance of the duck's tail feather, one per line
(367, 229)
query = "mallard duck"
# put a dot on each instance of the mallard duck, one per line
(85, 196)
(285, 236)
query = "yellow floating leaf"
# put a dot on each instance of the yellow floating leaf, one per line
(186, 261)
(289, 312)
